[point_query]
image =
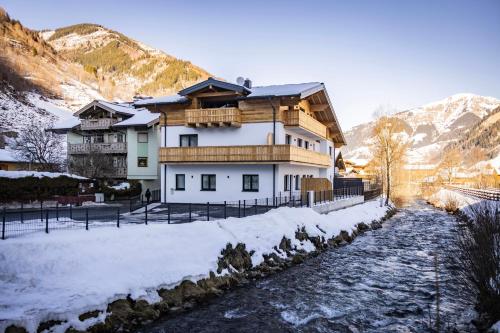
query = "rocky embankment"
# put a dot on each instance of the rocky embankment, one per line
(127, 314)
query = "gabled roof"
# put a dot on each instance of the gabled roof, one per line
(142, 118)
(211, 82)
(122, 108)
(66, 124)
(171, 99)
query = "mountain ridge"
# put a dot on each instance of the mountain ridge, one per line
(430, 127)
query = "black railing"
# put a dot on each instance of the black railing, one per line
(16, 222)
(486, 194)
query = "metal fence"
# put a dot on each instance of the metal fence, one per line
(487, 194)
(16, 222)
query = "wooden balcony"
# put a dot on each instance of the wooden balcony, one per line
(117, 172)
(300, 119)
(104, 148)
(262, 154)
(220, 117)
(97, 124)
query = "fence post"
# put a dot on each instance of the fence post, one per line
(280, 199)
(41, 211)
(118, 217)
(244, 208)
(3, 223)
(146, 214)
(46, 221)
(57, 211)
(267, 203)
(208, 211)
(239, 208)
(86, 219)
(22, 212)
(225, 210)
(255, 206)
(190, 212)
(168, 213)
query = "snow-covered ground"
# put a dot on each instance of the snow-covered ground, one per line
(66, 273)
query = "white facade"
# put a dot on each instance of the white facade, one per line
(229, 177)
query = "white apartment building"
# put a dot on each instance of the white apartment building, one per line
(126, 136)
(224, 142)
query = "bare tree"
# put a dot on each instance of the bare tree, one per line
(389, 149)
(449, 163)
(37, 145)
(95, 165)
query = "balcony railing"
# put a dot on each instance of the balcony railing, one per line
(297, 118)
(104, 148)
(97, 124)
(117, 172)
(265, 154)
(218, 117)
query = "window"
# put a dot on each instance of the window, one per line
(142, 137)
(288, 139)
(180, 182)
(297, 182)
(188, 140)
(208, 182)
(142, 162)
(99, 138)
(286, 187)
(87, 139)
(250, 183)
(307, 144)
(330, 150)
(299, 142)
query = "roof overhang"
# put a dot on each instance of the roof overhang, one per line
(97, 103)
(213, 83)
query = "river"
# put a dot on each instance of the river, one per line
(383, 282)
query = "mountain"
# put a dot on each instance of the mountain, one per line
(47, 75)
(432, 127)
(123, 67)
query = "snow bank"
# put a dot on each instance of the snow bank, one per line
(440, 198)
(66, 273)
(21, 174)
(121, 186)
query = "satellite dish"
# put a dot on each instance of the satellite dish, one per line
(240, 80)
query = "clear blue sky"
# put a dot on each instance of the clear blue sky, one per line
(368, 53)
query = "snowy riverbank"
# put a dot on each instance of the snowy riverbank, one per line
(61, 275)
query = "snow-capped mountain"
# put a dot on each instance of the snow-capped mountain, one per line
(430, 127)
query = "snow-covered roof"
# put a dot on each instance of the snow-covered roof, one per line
(170, 99)
(7, 156)
(124, 108)
(300, 89)
(67, 124)
(420, 166)
(142, 118)
(22, 174)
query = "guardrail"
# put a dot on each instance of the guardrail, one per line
(487, 194)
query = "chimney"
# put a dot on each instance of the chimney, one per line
(247, 83)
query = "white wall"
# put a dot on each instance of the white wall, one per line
(151, 171)
(247, 134)
(229, 182)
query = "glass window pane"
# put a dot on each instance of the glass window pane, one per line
(204, 182)
(194, 141)
(212, 182)
(255, 182)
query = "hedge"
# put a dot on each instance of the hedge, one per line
(34, 188)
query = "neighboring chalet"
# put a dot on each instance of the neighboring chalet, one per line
(224, 141)
(123, 139)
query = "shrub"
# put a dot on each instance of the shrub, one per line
(451, 204)
(478, 258)
(135, 189)
(34, 188)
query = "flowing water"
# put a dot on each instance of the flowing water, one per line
(383, 282)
